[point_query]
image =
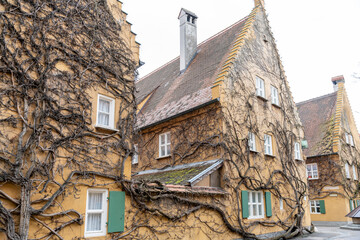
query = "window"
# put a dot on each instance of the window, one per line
(260, 87)
(268, 145)
(354, 172)
(297, 151)
(256, 205)
(312, 171)
(314, 206)
(96, 213)
(281, 203)
(252, 143)
(105, 112)
(164, 144)
(135, 158)
(347, 170)
(274, 96)
(349, 139)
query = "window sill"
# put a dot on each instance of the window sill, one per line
(302, 160)
(106, 128)
(276, 105)
(269, 155)
(262, 98)
(162, 157)
(315, 213)
(254, 151)
(257, 217)
(313, 178)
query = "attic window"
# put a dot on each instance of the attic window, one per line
(191, 19)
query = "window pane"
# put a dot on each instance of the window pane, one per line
(104, 119)
(259, 197)
(104, 106)
(93, 222)
(253, 197)
(168, 149)
(95, 201)
(162, 139)
(168, 137)
(162, 150)
(260, 209)
(254, 210)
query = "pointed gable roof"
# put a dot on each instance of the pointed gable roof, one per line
(317, 116)
(176, 93)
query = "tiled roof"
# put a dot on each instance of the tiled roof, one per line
(186, 174)
(317, 116)
(176, 93)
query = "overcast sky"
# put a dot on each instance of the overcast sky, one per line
(317, 39)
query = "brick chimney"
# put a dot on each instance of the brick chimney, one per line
(188, 37)
(336, 80)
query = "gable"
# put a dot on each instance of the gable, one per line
(176, 93)
(317, 116)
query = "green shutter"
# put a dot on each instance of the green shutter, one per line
(322, 206)
(351, 205)
(268, 204)
(116, 211)
(245, 204)
(358, 202)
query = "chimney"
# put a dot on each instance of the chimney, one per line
(188, 39)
(336, 80)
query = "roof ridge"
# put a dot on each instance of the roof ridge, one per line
(316, 98)
(201, 43)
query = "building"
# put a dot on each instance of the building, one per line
(332, 156)
(219, 148)
(67, 113)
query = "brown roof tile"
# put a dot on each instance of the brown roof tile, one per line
(175, 92)
(317, 118)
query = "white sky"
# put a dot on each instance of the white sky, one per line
(317, 39)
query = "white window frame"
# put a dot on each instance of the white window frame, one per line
(252, 142)
(135, 157)
(260, 87)
(281, 203)
(274, 95)
(297, 151)
(347, 138)
(313, 173)
(315, 207)
(268, 145)
(351, 140)
(167, 143)
(256, 202)
(103, 212)
(347, 171)
(111, 113)
(354, 172)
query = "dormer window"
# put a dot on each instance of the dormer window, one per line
(164, 144)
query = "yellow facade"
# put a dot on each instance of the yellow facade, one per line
(68, 67)
(220, 130)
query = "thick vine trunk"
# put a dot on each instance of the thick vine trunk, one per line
(25, 213)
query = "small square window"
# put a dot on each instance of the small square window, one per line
(164, 145)
(268, 145)
(256, 205)
(315, 206)
(96, 213)
(260, 87)
(252, 142)
(297, 151)
(274, 96)
(312, 171)
(105, 112)
(135, 157)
